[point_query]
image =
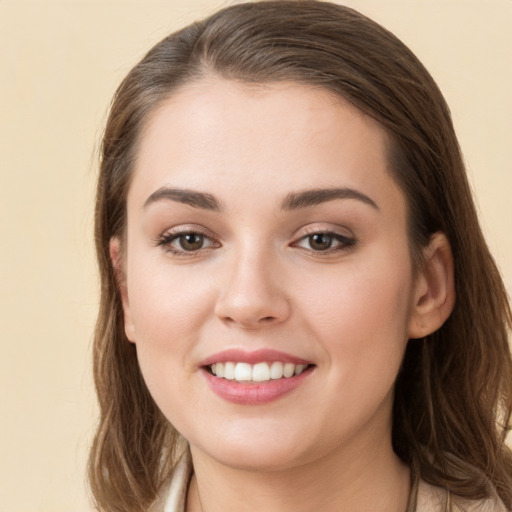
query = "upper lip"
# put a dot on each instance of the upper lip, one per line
(252, 357)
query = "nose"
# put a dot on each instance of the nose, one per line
(252, 294)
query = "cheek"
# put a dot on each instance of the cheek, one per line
(166, 299)
(360, 312)
(167, 308)
(167, 312)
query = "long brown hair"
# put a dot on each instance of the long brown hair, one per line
(453, 396)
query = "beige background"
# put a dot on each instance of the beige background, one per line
(60, 62)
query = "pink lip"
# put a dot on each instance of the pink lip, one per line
(248, 393)
(256, 356)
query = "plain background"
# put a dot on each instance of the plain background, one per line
(60, 62)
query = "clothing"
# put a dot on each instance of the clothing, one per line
(428, 499)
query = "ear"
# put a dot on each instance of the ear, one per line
(434, 292)
(118, 264)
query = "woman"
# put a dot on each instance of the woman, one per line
(298, 309)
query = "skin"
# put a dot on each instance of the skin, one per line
(258, 283)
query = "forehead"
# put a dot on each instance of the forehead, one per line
(228, 137)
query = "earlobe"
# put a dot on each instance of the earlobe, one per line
(434, 293)
(118, 265)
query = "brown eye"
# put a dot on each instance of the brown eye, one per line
(191, 241)
(186, 243)
(326, 242)
(320, 241)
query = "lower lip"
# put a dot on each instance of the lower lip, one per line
(251, 393)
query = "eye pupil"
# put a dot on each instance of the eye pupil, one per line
(191, 241)
(320, 241)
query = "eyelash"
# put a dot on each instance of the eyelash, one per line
(165, 241)
(343, 243)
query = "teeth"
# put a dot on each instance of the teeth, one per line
(261, 372)
(288, 370)
(276, 370)
(299, 369)
(229, 371)
(243, 371)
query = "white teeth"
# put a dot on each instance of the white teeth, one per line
(260, 372)
(276, 370)
(229, 371)
(243, 371)
(288, 370)
(299, 369)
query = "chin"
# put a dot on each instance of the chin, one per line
(263, 453)
(257, 460)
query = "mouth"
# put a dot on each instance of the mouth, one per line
(256, 377)
(256, 373)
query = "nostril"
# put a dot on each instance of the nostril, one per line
(251, 310)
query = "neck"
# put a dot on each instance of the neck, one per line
(355, 478)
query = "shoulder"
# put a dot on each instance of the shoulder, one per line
(436, 499)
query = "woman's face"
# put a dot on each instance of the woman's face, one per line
(266, 235)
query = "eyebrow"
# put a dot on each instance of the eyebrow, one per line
(293, 201)
(314, 197)
(191, 197)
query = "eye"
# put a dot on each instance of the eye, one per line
(325, 242)
(191, 241)
(320, 241)
(185, 242)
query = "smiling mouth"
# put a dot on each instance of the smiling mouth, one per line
(259, 372)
